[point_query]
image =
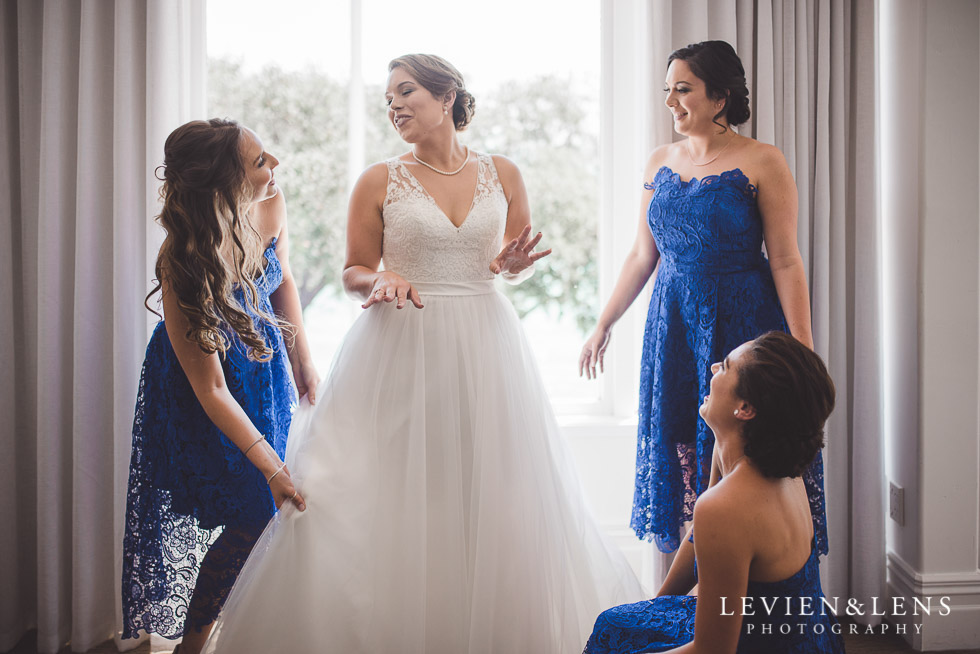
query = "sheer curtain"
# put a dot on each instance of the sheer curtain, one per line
(811, 73)
(90, 91)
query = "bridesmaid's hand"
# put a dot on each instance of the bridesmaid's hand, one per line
(594, 351)
(307, 379)
(284, 491)
(518, 255)
(389, 287)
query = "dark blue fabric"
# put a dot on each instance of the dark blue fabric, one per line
(652, 626)
(713, 292)
(187, 481)
(666, 622)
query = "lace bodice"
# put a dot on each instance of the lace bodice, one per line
(711, 225)
(421, 244)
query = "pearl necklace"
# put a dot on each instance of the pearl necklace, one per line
(466, 160)
(691, 157)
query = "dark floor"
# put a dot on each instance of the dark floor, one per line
(855, 644)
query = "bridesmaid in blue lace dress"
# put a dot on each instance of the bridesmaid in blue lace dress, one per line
(756, 557)
(216, 392)
(709, 203)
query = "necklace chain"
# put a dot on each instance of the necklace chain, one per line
(691, 156)
(444, 172)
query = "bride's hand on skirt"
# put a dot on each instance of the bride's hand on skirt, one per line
(390, 287)
(284, 491)
(594, 351)
(518, 255)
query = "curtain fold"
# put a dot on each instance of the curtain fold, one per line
(131, 196)
(811, 76)
(90, 91)
(92, 344)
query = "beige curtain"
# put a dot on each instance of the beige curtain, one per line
(811, 76)
(89, 92)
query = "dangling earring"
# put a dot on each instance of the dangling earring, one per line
(445, 110)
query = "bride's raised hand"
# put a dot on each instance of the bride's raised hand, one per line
(389, 287)
(519, 254)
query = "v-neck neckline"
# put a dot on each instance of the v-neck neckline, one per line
(432, 199)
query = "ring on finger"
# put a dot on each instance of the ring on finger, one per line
(293, 496)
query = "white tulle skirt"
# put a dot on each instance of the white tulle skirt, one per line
(443, 514)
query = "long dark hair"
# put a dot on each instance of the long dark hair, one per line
(205, 203)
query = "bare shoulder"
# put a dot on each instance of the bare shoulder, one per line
(764, 159)
(770, 156)
(374, 176)
(730, 503)
(509, 175)
(505, 167)
(718, 501)
(661, 156)
(372, 185)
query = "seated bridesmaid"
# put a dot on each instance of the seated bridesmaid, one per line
(754, 541)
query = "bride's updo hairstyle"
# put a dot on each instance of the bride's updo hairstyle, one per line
(440, 78)
(716, 64)
(788, 386)
(206, 197)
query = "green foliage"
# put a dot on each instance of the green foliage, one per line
(301, 117)
(540, 124)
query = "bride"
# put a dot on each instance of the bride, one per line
(443, 513)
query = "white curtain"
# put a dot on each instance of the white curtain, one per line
(89, 92)
(810, 67)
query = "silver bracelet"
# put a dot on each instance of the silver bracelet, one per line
(278, 470)
(254, 443)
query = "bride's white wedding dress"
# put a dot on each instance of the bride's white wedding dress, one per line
(444, 515)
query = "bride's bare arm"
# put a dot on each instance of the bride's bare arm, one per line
(518, 207)
(517, 254)
(365, 231)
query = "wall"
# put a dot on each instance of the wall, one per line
(930, 146)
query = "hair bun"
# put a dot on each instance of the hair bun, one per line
(463, 109)
(738, 111)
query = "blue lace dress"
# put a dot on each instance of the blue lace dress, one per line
(188, 482)
(713, 292)
(806, 626)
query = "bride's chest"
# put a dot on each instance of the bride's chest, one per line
(415, 218)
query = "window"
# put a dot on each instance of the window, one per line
(555, 92)
(312, 87)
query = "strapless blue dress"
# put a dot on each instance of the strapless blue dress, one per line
(713, 292)
(187, 480)
(806, 626)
